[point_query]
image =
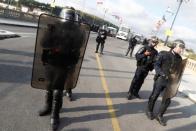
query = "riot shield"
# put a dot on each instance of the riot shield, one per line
(174, 81)
(71, 82)
(60, 43)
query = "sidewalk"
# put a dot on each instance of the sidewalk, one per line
(187, 85)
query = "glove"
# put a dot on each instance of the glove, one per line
(164, 76)
(147, 53)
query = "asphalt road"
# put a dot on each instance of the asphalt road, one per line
(100, 102)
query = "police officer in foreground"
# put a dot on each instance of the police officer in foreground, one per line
(145, 59)
(132, 42)
(168, 73)
(61, 52)
(101, 37)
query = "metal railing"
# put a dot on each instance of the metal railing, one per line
(17, 15)
(191, 64)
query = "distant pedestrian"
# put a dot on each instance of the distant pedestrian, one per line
(132, 42)
(101, 37)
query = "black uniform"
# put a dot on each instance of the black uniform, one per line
(144, 65)
(166, 63)
(102, 35)
(132, 43)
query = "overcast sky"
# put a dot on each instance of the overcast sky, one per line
(142, 15)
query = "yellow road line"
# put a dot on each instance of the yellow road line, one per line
(115, 122)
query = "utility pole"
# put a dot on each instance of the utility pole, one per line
(174, 19)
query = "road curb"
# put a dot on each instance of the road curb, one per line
(12, 24)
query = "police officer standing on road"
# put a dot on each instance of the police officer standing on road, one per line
(101, 37)
(167, 66)
(132, 42)
(145, 59)
(61, 52)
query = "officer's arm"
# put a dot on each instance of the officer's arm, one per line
(140, 54)
(153, 61)
(158, 63)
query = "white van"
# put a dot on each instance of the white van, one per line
(112, 31)
(123, 33)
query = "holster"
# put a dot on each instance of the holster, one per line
(156, 76)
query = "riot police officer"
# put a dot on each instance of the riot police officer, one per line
(132, 42)
(145, 59)
(167, 66)
(101, 37)
(61, 51)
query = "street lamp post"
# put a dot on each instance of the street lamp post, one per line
(174, 19)
(52, 6)
(105, 11)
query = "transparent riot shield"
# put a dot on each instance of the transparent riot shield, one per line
(71, 82)
(175, 81)
(59, 44)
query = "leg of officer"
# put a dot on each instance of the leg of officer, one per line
(164, 105)
(49, 92)
(131, 51)
(102, 46)
(56, 107)
(128, 49)
(97, 47)
(137, 82)
(58, 86)
(157, 89)
(143, 74)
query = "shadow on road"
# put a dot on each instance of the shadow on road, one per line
(114, 54)
(189, 127)
(130, 107)
(14, 52)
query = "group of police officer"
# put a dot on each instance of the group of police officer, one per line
(62, 47)
(168, 66)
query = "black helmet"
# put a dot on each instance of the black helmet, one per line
(179, 43)
(69, 14)
(154, 39)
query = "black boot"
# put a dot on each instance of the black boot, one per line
(57, 104)
(137, 95)
(102, 46)
(129, 96)
(69, 94)
(162, 110)
(149, 110)
(48, 104)
(97, 47)
(160, 119)
(150, 115)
